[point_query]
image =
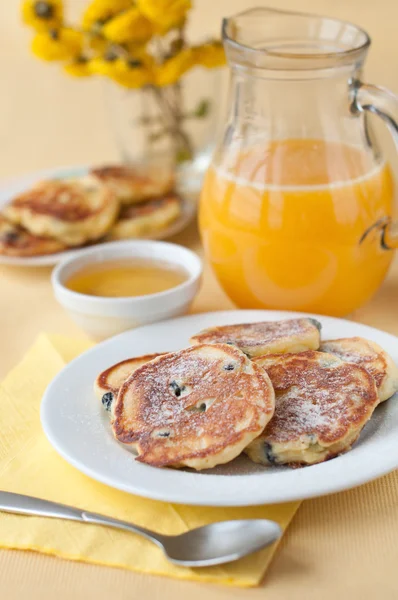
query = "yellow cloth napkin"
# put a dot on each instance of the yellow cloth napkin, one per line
(29, 465)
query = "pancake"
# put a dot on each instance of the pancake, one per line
(16, 241)
(322, 403)
(133, 185)
(269, 337)
(146, 218)
(73, 211)
(199, 407)
(108, 383)
(370, 356)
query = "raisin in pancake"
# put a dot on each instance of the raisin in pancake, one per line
(321, 406)
(146, 218)
(16, 241)
(108, 383)
(370, 356)
(136, 184)
(73, 211)
(199, 407)
(269, 337)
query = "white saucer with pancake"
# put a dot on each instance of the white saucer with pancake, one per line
(79, 429)
(14, 187)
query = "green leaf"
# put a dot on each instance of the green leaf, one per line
(183, 155)
(202, 109)
(156, 135)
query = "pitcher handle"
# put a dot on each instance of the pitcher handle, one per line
(379, 101)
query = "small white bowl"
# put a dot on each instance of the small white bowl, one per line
(104, 317)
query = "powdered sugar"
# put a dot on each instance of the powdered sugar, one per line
(359, 351)
(259, 334)
(201, 400)
(317, 398)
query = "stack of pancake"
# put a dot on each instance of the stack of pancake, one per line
(110, 203)
(272, 390)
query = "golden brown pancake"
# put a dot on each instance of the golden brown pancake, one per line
(108, 383)
(370, 356)
(269, 337)
(133, 185)
(147, 218)
(72, 211)
(321, 406)
(16, 241)
(198, 407)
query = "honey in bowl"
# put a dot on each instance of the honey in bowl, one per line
(126, 278)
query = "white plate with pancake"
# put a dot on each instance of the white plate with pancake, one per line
(15, 186)
(78, 428)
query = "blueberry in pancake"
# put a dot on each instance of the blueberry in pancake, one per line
(16, 241)
(108, 383)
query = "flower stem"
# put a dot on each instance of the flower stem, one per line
(172, 117)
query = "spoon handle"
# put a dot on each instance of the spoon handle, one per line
(28, 505)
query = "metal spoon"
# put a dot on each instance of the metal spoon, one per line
(212, 544)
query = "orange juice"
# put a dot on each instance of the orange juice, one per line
(282, 224)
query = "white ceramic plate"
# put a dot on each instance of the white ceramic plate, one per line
(16, 186)
(78, 428)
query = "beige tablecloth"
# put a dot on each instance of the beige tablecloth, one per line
(342, 546)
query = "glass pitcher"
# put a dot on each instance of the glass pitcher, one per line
(296, 208)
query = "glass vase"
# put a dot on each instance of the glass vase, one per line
(174, 125)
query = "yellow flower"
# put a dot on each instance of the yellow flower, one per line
(101, 66)
(79, 68)
(130, 25)
(210, 55)
(99, 12)
(42, 15)
(165, 14)
(96, 43)
(57, 45)
(131, 74)
(138, 51)
(174, 68)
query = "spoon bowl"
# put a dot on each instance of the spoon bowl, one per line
(220, 542)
